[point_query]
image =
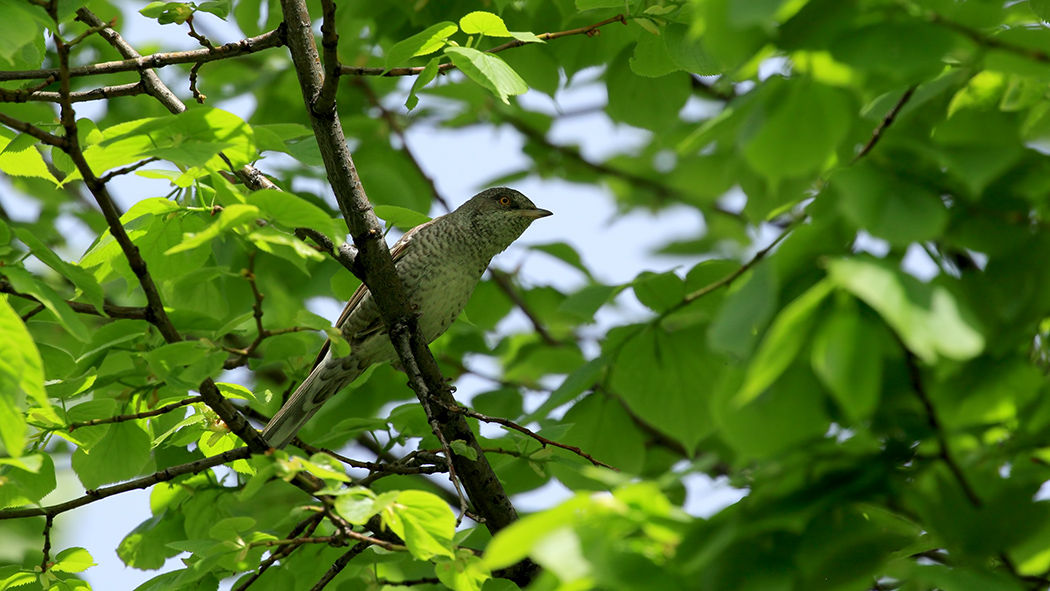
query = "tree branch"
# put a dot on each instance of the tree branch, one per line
(589, 30)
(130, 312)
(267, 40)
(888, 120)
(338, 566)
(915, 375)
(96, 94)
(543, 440)
(241, 453)
(140, 415)
(425, 378)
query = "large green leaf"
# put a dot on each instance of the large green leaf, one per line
(489, 71)
(928, 317)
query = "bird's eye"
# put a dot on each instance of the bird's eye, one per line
(504, 200)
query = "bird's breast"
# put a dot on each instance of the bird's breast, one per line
(440, 292)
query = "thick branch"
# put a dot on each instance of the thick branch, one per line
(425, 378)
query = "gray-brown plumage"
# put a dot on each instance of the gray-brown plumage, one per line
(440, 263)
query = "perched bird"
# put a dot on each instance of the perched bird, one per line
(440, 263)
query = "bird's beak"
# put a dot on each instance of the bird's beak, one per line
(534, 214)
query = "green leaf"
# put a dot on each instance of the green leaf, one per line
(168, 12)
(460, 448)
(73, 560)
(146, 546)
(782, 342)
(565, 253)
(798, 130)
(586, 302)
(1041, 8)
(401, 217)
(291, 211)
(484, 23)
(220, 8)
(425, 77)
(25, 283)
(688, 53)
(27, 162)
(582, 5)
(230, 528)
(930, 320)
(231, 217)
(659, 291)
(748, 305)
(424, 522)
(122, 454)
(651, 103)
(489, 71)
(651, 58)
(465, 573)
(517, 540)
(84, 280)
(889, 207)
(847, 357)
(25, 482)
(192, 139)
(576, 383)
(356, 505)
(425, 43)
(675, 364)
(21, 375)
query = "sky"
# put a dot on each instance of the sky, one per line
(615, 247)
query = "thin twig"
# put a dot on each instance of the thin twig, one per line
(915, 375)
(986, 41)
(240, 453)
(888, 120)
(127, 169)
(408, 582)
(338, 566)
(267, 40)
(660, 189)
(38, 309)
(48, 522)
(307, 525)
(731, 277)
(140, 415)
(504, 283)
(129, 312)
(27, 95)
(590, 31)
(543, 440)
(36, 132)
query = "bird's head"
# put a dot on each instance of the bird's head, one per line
(498, 216)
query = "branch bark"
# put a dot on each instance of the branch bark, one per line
(485, 490)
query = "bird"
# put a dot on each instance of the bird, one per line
(440, 263)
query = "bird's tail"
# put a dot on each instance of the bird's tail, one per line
(323, 382)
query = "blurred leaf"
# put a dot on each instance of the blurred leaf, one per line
(782, 342)
(926, 316)
(894, 210)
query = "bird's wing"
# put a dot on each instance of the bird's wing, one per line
(397, 252)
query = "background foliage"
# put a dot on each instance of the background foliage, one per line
(873, 377)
